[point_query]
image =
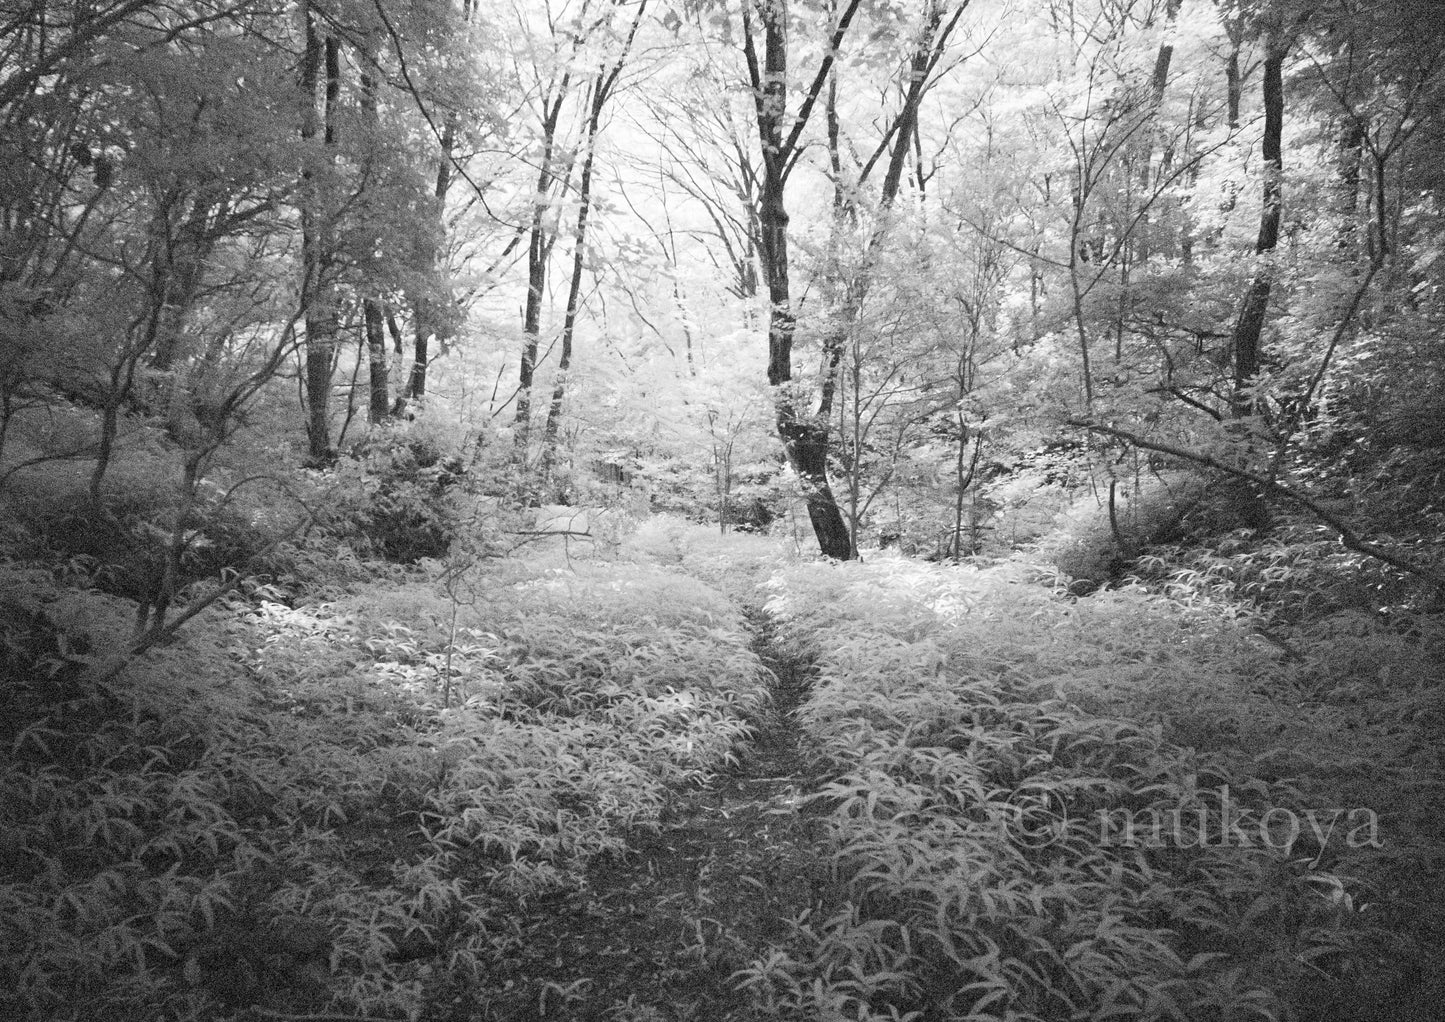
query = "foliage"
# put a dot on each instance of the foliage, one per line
(1100, 534)
(294, 805)
(235, 519)
(401, 496)
(312, 704)
(970, 791)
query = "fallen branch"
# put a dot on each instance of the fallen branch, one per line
(551, 532)
(288, 1017)
(1348, 537)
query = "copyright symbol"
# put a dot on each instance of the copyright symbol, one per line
(1038, 818)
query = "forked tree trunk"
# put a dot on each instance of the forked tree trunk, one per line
(539, 253)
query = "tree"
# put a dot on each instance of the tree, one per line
(602, 88)
(805, 437)
(555, 72)
(319, 210)
(899, 138)
(373, 306)
(1245, 339)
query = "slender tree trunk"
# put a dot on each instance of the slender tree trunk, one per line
(416, 379)
(538, 247)
(1233, 80)
(897, 142)
(1249, 501)
(379, 407)
(1162, 59)
(1249, 326)
(574, 294)
(317, 290)
(606, 81)
(372, 310)
(1352, 144)
(430, 307)
(1155, 138)
(432, 310)
(179, 274)
(539, 252)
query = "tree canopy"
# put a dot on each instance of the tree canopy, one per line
(943, 238)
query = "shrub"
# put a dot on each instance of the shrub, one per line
(397, 496)
(1092, 543)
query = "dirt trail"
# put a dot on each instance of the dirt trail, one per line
(659, 933)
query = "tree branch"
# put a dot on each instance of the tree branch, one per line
(1348, 537)
(788, 155)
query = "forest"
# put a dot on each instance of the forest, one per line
(722, 510)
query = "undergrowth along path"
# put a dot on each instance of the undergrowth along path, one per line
(662, 931)
(607, 809)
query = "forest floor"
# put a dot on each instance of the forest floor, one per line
(662, 931)
(623, 791)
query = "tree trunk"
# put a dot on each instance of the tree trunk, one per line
(317, 289)
(1249, 326)
(179, 269)
(805, 437)
(1155, 138)
(539, 252)
(1233, 80)
(1352, 144)
(897, 143)
(372, 310)
(431, 307)
(379, 407)
(574, 287)
(538, 248)
(606, 81)
(1249, 502)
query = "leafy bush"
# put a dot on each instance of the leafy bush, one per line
(397, 498)
(1092, 543)
(121, 541)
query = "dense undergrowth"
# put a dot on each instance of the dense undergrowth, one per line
(342, 801)
(1129, 805)
(419, 793)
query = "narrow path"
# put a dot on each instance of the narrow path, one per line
(658, 934)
